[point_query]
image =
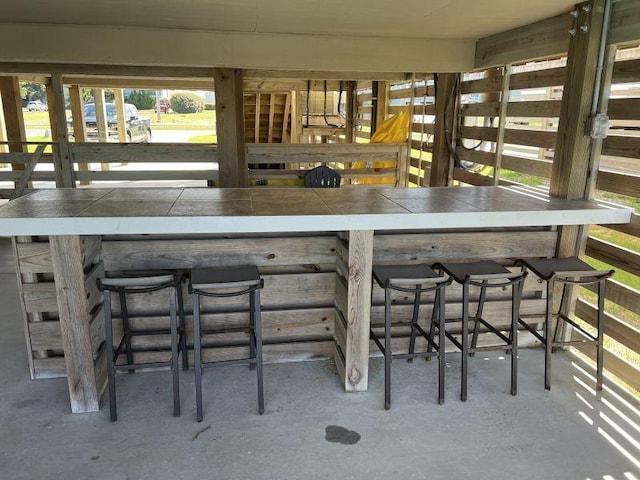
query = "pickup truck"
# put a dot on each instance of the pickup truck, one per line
(138, 127)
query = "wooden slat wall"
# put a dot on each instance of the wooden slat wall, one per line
(40, 308)
(531, 114)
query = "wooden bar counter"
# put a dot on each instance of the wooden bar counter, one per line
(316, 246)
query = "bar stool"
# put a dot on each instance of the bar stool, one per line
(125, 286)
(485, 274)
(241, 280)
(414, 279)
(566, 271)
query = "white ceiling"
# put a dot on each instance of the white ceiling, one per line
(462, 19)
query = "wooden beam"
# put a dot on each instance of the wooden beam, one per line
(351, 112)
(502, 122)
(3, 130)
(105, 69)
(441, 163)
(360, 262)
(58, 117)
(625, 22)
(380, 109)
(12, 108)
(77, 117)
(66, 255)
(541, 39)
(230, 128)
(120, 115)
(256, 128)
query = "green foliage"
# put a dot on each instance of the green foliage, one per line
(142, 99)
(87, 95)
(209, 106)
(186, 102)
(32, 91)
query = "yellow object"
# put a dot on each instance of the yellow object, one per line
(393, 130)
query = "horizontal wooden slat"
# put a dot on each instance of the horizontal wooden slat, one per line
(533, 138)
(23, 158)
(528, 166)
(283, 153)
(488, 134)
(620, 183)
(172, 254)
(52, 367)
(624, 108)
(485, 109)
(620, 294)
(626, 71)
(536, 40)
(618, 257)
(477, 156)
(625, 22)
(492, 83)
(157, 175)
(542, 108)
(631, 228)
(549, 77)
(625, 371)
(620, 146)
(613, 327)
(431, 247)
(471, 178)
(142, 152)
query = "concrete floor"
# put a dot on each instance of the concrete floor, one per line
(313, 430)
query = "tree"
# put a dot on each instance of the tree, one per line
(142, 99)
(33, 91)
(186, 102)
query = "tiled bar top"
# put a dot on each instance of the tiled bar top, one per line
(214, 210)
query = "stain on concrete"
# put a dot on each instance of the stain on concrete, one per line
(336, 434)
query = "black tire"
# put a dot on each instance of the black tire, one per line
(128, 137)
(147, 136)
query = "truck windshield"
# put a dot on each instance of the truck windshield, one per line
(90, 110)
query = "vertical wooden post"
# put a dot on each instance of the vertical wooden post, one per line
(441, 163)
(65, 177)
(359, 310)
(572, 172)
(230, 127)
(14, 121)
(101, 114)
(296, 125)
(3, 130)
(350, 120)
(120, 115)
(502, 122)
(66, 256)
(79, 127)
(380, 108)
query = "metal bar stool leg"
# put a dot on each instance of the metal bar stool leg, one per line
(387, 349)
(124, 312)
(479, 311)
(174, 351)
(257, 322)
(600, 334)
(548, 342)
(465, 341)
(197, 350)
(515, 308)
(111, 374)
(414, 321)
(182, 328)
(441, 340)
(253, 341)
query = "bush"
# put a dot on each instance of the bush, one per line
(209, 106)
(142, 99)
(186, 102)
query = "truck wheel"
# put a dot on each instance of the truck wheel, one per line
(147, 137)
(128, 137)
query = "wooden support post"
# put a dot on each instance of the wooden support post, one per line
(296, 125)
(380, 107)
(79, 126)
(441, 164)
(3, 130)
(285, 136)
(350, 119)
(120, 115)
(65, 175)
(358, 310)
(101, 115)
(230, 128)
(572, 173)
(502, 121)
(66, 256)
(14, 121)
